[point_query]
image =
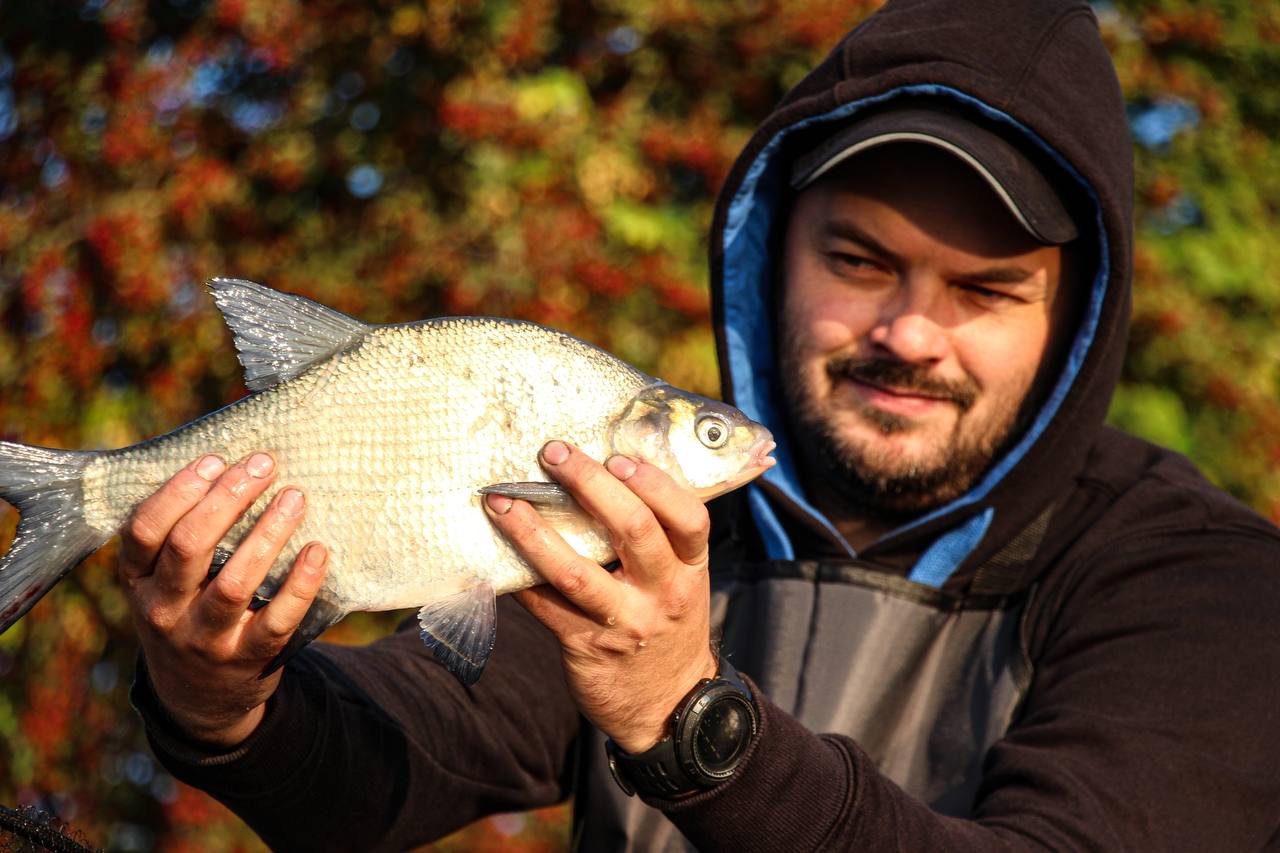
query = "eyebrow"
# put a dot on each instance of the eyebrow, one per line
(1010, 274)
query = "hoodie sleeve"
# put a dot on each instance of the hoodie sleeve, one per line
(379, 748)
(1150, 725)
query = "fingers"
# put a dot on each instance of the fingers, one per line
(226, 598)
(183, 561)
(276, 622)
(680, 513)
(651, 519)
(586, 584)
(152, 520)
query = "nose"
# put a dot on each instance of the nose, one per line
(911, 327)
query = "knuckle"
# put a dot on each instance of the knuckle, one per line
(572, 580)
(700, 523)
(143, 531)
(639, 525)
(679, 601)
(158, 619)
(184, 543)
(228, 590)
(233, 485)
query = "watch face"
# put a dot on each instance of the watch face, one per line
(723, 733)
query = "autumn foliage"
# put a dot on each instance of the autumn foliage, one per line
(555, 161)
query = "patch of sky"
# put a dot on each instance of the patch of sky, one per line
(93, 120)
(130, 838)
(365, 116)
(1155, 124)
(8, 113)
(105, 674)
(184, 298)
(349, 86)
(54, 172)
(252, 115)
(364, 181)
(139, 769)
(207, 81)
(1180, 212)
(623, 40)
(399, 63)
(106, 331)
(90, 10)
(164, 789)
(160, 53)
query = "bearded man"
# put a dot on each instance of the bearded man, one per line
(958, 614)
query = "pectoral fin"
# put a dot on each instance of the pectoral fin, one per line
(552, 501)
(460, 629)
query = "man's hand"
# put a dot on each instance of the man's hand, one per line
(633, 642)
(204, 647)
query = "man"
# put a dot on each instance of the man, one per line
(969, 616)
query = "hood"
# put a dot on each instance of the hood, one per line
(1038, 71)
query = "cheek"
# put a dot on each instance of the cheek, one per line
(824, 324)
(1005, 358)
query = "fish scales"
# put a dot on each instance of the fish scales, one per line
(391, 442)
(394, 433)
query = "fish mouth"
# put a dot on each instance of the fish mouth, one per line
(759, 457)
(758, 461)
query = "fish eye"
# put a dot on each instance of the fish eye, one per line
(712, 431)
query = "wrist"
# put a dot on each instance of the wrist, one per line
(644, 735)
(710, 733)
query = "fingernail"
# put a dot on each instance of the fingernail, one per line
(315, 556)
(499, 504)
(260, 465)
(211, 467)
(621, 467)
(555, 452)
(291, 502)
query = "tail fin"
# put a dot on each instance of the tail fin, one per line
(45, 486)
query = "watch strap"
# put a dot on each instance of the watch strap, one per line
(658, 772)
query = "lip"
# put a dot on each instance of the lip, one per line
(759, 454)
(906, 403)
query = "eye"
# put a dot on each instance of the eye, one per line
(712, 431)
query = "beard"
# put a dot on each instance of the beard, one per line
(882, 484)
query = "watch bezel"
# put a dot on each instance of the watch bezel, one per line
(671, 767)
(690, 722)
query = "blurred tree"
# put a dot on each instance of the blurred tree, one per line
(554, 161)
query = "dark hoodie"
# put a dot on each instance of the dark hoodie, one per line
(1077, 654)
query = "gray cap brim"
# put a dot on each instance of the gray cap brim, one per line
(1012, 176)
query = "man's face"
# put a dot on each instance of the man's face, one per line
(916, 313)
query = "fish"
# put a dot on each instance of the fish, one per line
(396, 433)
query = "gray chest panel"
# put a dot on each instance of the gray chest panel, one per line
(923, 686)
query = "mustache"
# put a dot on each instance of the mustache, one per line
(901, 376)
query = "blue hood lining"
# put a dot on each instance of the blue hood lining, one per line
(748, 306)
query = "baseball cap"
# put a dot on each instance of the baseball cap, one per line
(1011, 174)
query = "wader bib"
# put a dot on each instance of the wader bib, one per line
(924, 683)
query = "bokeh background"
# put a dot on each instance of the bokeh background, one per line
(553, 160)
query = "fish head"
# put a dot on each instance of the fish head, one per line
(707, 446)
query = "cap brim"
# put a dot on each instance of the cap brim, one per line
(1022, 187)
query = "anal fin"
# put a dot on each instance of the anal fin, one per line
(460, 630)
(320, 617)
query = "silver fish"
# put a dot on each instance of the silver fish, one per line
(395, 433)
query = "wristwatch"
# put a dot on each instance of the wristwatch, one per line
(710, 731)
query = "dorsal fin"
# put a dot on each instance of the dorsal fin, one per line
(279, 335)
